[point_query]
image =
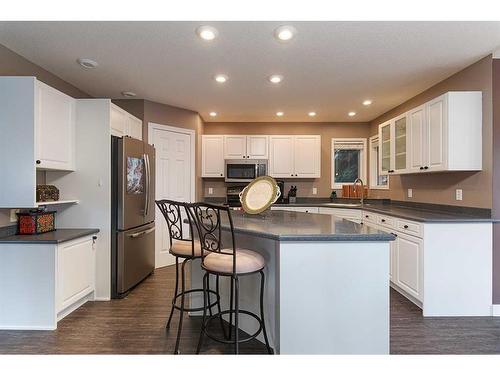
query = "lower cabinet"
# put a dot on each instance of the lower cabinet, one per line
(75, 271)
(407, 263)
(344, 213)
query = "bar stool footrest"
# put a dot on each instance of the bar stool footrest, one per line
(193, 309)
(226, 312)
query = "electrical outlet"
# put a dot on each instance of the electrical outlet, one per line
(315, 191)
(210, 191)
(13, 216)
(458, 194)
(410, 193)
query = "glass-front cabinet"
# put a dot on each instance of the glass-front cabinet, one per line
(393, 140)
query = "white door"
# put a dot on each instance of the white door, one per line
(235, 147)
(212, 156)
(118, 121)
(409, 260)
(257, 147)
(416, 119)
(173, 181)
(436, 122)
(281, 156)
(307, 156)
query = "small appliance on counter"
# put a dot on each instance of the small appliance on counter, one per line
(36, 222)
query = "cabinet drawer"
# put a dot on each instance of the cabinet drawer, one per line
(386, 221)
(409, 227)
(369, 217)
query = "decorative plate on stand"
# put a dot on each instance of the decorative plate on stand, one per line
(259, 195)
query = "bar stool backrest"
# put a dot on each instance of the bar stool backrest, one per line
(208, 218)
(174, 213)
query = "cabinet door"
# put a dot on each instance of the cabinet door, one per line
(257, 147)
(435, 139)
(75, 271)
(235, 147)
(409, 261)
(134, 127)
(54, 129)
(118, 121)
(307, 156)
(416, 132)
(385, 139)
(281, 156)
(212, 156)
(393, 260)
(400, 144)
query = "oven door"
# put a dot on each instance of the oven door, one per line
(240, 172)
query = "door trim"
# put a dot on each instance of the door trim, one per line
(192, 136)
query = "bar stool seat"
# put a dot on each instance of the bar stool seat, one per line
(247, 261)
(184, 249)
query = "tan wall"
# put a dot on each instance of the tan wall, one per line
(440, 187)
(165, 114)
(327, 131)
(12, 64)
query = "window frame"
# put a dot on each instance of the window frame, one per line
(373, 180)
(363, 159)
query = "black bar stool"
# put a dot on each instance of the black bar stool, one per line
(226, 262)
(186, 248)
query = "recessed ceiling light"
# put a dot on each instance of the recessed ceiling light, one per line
(207, 32)
(312, 114)
(285, 33)
(352, 113)
(221, 78)
(280, 113)
(129, 94)
(275, 78)
(213, 114)
(87, 63)
(367, 102)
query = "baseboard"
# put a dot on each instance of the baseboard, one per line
(102, 299)
(495, 310)
(68, 310)
(407, 295)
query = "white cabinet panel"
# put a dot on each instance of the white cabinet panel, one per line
(235, 147)
(386, 160)
(212, 149)
(409, 258)
(401, 144)
(75, 271)
(257, 147)
(436, 137)
(416, 133)
(118, 121)
(281, 156)
(134, 127)
(344, 213)
(307, 156)
(393, 261)
(54, 129)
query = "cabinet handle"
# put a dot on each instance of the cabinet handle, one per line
(291, 175)
(426, 167)
(221, 174)
(38, 162)
(367, 216)
(391, 171)
(383, 220)
(394, 234)
(421, 168)
(406, 226)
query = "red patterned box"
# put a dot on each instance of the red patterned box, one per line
(36, 222)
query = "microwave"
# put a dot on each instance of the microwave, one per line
(244, 170)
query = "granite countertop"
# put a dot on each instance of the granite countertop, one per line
(299, 226)
(55, 237)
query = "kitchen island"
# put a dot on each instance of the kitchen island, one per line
(327, 282)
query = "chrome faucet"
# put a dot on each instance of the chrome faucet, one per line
(354, 184)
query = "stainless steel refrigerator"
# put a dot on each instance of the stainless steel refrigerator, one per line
(132, 213)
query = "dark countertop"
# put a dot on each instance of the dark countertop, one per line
(299, 226)
(418, 213)
(55, 237)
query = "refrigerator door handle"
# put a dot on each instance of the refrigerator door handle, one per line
(139, 234)
(146, 195)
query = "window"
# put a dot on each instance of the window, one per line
(377, 181)
(348, 161)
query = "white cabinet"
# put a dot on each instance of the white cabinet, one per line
(75, 271)
(295, 156)
(54, 129)
(344, 213)
(393, 158)
(123, 123)
(409, 268)
(416, 134)
(212, 156)
(312, 210)
(386, 150)
(246, 146)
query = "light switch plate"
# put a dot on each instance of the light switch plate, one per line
(315, 191)
(458, 194)
(410, 193)
(210, 191)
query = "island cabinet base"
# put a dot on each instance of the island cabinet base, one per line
(321, 297)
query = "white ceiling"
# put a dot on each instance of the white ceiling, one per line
(330, 67)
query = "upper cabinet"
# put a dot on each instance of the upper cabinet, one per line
(444, 134)
(212, 156)
(123, 123)
(246, 147)
(295, 156)
(54, 129)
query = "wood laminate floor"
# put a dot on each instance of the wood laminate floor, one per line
(136, 325)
